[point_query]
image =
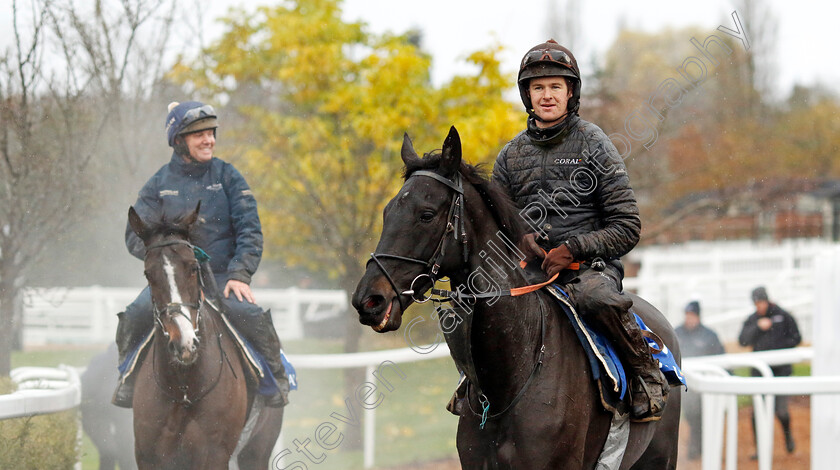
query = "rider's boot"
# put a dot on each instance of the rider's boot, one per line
(129, 335)
(648, 386)
(262, 335)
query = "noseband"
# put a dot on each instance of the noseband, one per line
(176, 307)
(454, 224)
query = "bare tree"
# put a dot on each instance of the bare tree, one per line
(563, 23)
(54, 107)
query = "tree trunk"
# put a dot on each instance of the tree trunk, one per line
(7, 330)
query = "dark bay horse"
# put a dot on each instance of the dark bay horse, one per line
(448, 220)
(192, 398)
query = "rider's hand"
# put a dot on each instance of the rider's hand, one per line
(240, 290)
(557, 260)
(764, 323)
(528, 245)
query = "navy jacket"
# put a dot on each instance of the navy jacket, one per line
(579, 183)
(228, 226)
(700, 341)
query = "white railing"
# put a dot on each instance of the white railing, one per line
(707, 375)
(88, 315)
(721, 276)
(371, 361)
(46, 390)
(41, 390)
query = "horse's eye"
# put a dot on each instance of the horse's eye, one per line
(427, 216)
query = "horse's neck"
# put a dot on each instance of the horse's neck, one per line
(505, 331)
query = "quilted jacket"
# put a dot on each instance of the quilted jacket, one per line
(572, 187)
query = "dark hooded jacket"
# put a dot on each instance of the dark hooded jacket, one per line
(783, 334)
(579, 180)
(228, 226)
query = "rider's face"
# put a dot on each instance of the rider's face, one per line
(201, 144)
(549, 99)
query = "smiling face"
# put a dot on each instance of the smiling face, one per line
(549, 99)
(201, 144)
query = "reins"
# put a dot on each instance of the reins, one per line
(485, 402)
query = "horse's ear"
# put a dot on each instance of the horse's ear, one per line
(136, 223)
(408, 154)
(190, 219)
(450, 160)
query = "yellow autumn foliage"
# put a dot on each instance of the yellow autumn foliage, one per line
(321, 106)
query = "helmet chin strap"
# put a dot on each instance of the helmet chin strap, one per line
(533, 114)
(182, 150)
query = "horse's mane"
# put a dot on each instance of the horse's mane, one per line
(504, 211)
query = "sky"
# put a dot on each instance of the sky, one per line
(806, 42)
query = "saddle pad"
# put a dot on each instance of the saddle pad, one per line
(604, 362)
(267, 383)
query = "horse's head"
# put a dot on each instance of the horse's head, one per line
(172, 271)
(422, 229)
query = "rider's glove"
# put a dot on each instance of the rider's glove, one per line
(557, 260)
(528, 245)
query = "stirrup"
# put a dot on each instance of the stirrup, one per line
(653, 412)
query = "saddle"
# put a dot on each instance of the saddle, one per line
(258, 369)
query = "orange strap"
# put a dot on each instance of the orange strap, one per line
(575, 266)
(517, 291)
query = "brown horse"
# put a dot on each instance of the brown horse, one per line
(192, 394)
(520, 352)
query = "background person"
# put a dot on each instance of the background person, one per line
(695, 340)
(228, 229)
(770, 327)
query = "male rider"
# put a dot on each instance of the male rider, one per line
(574, 192)
(228, 230)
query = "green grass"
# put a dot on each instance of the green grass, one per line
(802, 369)
(411, 422)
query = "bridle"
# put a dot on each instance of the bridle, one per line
(176, 307)
(454, 224)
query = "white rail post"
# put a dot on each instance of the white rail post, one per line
(825, 409)
(370, 423)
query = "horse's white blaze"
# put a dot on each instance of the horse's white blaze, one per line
(184, 325)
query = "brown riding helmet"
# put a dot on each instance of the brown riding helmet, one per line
(549, 59)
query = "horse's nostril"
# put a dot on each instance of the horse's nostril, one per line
(373, 302)
(196, 343)
(172, 347)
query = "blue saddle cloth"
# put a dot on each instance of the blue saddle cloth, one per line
(267, 384)
(604, 363)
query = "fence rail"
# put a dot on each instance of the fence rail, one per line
(88, 315)
(41, 390)
(708, 376)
